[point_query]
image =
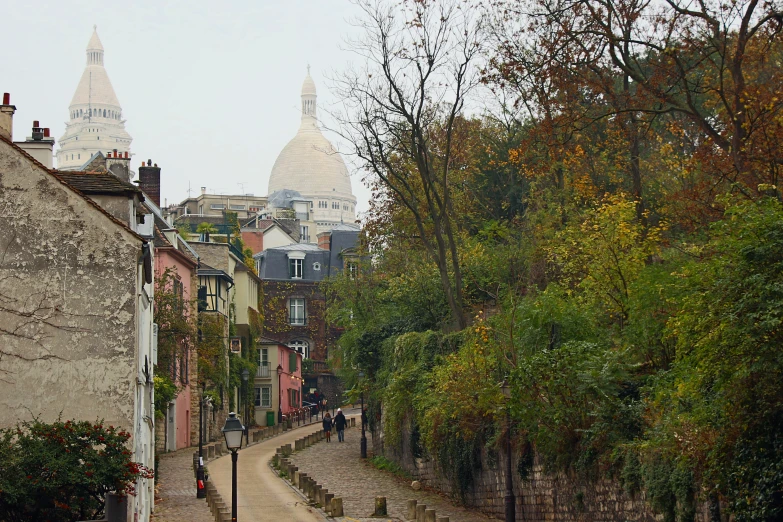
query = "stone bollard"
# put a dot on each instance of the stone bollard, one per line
(429, 515)
(442, 519)
(302, 480)
(328, 502)
(316, 496)
(420, 508)
(210, 451)
(380, 507)
(337, 507)
(322, 496)
(353, 422)
(411, 509)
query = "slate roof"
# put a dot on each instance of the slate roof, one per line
(98, 183)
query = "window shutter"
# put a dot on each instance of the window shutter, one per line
(292, 362)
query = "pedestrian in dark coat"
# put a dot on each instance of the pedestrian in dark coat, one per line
(339, 424)
(327, 423)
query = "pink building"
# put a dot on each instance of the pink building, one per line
(180, 427)
(278, 382)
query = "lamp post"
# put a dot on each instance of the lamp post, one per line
(245, 377)
(510, 501)
(201, 491)
(233, 431)
(279, 394)
(363, 417)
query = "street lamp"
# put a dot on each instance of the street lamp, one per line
(201, 491)
(279, 394)
(363, 418)
(511, 508)
(245, 377)
(233, 431)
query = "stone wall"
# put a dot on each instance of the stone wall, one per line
(542, 497)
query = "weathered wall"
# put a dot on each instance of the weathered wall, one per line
(212, 254)
(542, 497)
(67, 302)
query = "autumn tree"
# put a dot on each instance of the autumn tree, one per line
(706, 72)
(402, 105)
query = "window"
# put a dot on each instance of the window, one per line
(292, 366)
(296, 309)
(323, 204)
(263, 396)
(302, 347)
(345, 207)
(353, 269)
(263, 363)
(295, 268)
(335, 205)
(237, 207)
(217, 206)
(304, 234)
(317, 267)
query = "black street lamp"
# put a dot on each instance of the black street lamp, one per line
(233, 431)
(363, 418)
(279, 394)
(201, 491)
(245, 377)
(510, 501)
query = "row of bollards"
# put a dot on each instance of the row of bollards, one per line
(307, 485)
(420, 513)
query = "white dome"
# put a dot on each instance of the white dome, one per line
(310, 165)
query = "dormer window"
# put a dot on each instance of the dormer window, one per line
(295, 268)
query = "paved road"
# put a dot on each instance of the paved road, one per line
(261, 495)
(176, 499)
(340, 469)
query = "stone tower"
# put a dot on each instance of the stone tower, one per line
(95, 121)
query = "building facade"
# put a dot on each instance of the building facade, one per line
(277, 385)
(95, 120)
(76, 282)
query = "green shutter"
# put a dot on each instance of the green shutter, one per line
(292, 362)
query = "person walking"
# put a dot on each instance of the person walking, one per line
(339, 424)
(327, 424)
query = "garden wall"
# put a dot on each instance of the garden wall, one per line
(542, 497)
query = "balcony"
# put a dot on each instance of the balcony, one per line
(263, 371)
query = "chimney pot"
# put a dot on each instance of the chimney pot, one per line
(46, 132)
(149, 162)
(36, 123)
(156, 164)
(115, 153)
(6, 98)
(126, 153)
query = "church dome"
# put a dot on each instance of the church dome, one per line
(310, 165)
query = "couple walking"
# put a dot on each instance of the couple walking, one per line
(339, 422)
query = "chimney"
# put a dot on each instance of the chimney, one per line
(325, 240)
(203, 190)
(119, 165)
(7, 117)
(39, 145)
(149, 181)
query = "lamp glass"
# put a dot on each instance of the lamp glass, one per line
(505, 387)
(245, 374)
(233, 431)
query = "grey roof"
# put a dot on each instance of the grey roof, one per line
(300, 246)
(351, 227)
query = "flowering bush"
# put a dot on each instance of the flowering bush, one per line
(62, 471)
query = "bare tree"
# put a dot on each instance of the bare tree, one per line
(401, 105)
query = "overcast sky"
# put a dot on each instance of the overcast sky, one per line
(210, 90)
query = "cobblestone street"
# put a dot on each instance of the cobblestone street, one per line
(339, 468)
(176, 499)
